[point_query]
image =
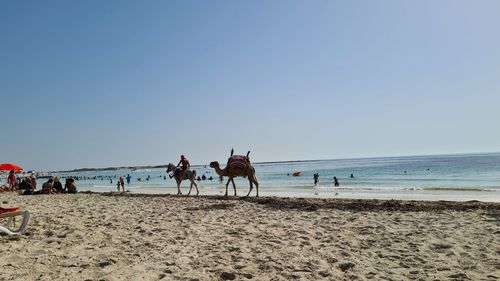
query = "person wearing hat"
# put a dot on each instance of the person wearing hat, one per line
(57, 185)
(70, 186)
(33, 181)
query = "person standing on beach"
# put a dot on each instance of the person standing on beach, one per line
(122, 183)
(11, 181)
(336, 182)
(316, 179)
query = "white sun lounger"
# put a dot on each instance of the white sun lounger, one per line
(10, 227)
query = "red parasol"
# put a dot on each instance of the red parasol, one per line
(10, 167)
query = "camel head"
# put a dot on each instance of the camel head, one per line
(171, 168)
(214, 164)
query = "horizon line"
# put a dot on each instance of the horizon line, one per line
(271, 162)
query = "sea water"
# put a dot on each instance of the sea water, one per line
(444, 177)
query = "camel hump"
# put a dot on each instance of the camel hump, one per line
(238, 162)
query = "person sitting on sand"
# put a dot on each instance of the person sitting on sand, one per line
(25, 187)
(47, 187)
(57, 185)
(69, 186)
(33, 181)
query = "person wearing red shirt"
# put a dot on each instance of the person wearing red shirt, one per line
(11, 181)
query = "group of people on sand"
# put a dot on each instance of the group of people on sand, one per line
(28, 185)
(54, 186)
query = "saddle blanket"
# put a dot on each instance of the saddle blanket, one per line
(179, 173)
(238, 161)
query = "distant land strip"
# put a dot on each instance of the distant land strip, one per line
(165, 166)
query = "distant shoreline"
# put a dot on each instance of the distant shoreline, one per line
(112, 169)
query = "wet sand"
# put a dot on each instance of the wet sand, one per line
(163, 237)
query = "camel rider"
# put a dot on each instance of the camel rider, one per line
(184, 164)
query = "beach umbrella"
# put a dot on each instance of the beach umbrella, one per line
(10, 167)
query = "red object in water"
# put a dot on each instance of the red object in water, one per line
(10, 167)
(296, 174)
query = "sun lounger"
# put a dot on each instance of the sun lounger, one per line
(11, 226)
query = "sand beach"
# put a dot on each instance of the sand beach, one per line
(162, 237)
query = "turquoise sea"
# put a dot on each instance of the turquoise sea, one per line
(444, 177)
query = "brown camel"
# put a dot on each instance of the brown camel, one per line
(180, 176)
(237, 166)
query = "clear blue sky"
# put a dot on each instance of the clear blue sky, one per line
(105, 83)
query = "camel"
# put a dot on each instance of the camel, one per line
(179, 177)
(246, 170)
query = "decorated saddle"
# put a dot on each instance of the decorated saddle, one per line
(238, 162)
(179, 173)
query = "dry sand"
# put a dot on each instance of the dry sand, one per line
(141, 237)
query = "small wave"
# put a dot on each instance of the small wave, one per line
(457, 189)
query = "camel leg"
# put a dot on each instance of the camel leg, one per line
(227, 184)
(253, 178)
(256, 185)
(234, 187)
(251, 185)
